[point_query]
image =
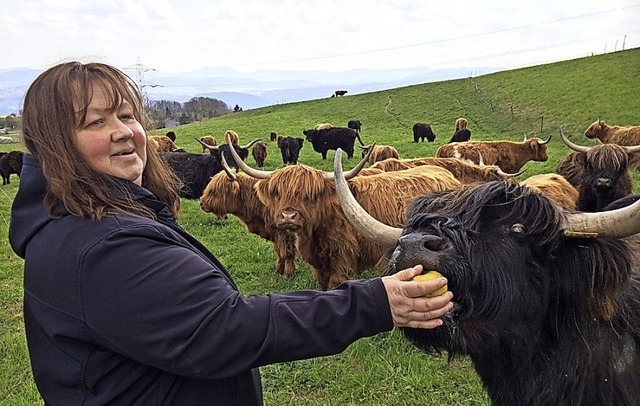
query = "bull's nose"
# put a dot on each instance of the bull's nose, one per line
(420, 242)
(603, 182)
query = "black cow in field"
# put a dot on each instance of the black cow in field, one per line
(461, 135)
(601, 173)
(548, 314)
(195, 170)
(10, 163)
(333, 138)
(355, 125)
(290, 148)
(422, 131)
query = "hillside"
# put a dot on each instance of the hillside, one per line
(505, 105)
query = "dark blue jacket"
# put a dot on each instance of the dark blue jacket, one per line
(134, 311)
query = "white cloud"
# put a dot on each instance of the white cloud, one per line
(313, 34)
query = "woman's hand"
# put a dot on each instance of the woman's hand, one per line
(409, 301)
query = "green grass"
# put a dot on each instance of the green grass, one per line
(382, 370)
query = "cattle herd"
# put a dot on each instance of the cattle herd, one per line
(545, 271)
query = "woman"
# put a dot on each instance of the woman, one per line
(123, 306)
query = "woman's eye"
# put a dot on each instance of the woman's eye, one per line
(518, 228)
(95, 122)
(126, 117)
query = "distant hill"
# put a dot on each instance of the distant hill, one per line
(249, 90)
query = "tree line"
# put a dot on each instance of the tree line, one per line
(161, 112)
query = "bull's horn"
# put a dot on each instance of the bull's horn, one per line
(633, 149)
(545, 142)
(575, 147)
(358, 217)
(242, 165)
(619, 223)
(353, 172)
(249, 144)
(480, 160)
(231, 174)
(509, 175)
(204, 144)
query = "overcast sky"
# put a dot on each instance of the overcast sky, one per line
(333, 35)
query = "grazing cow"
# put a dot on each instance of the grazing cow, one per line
(615, 134)
(290, 149)
(195, 170)
(548, 314)
(378, 153)
(162, 143)
(171, 135)
(210, 140)
(302, 201)
(10, 163)
(259, 153)
(233, 193)
(422, 131)
(508, 155)
(355, 125)
(332, 138)
(464, 171)
(339, 93)
(273, 136)
(600, 173)
(555, 187)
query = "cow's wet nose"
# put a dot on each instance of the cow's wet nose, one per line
(420, 242)
(289, 219)
(603, 182)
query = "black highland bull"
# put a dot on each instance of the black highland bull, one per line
(601, 173)
(548, 315)
(333, 138)
(290, 149)
(10, 163)
(195, 170)
(422, 131)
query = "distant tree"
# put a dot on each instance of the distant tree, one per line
(237, 108)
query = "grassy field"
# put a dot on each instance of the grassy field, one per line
(383, 370)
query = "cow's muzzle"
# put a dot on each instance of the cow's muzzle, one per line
(290, 220)
(419, 248)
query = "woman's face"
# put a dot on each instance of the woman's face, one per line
(112, 142)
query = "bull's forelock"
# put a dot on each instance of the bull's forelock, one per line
(608, 158)
(295, 184)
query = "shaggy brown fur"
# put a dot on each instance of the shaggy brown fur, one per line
(237, 196)
(464, 171)
(379, 153)
(161, 143)
(301, 201)
(259, 153)
(508, 155)
(322, 126)
(461, 123)
(233, 135)
(555, 187)
(209, 140)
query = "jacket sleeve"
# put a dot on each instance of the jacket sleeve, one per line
(166, 305)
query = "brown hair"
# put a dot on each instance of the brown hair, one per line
(55, 105)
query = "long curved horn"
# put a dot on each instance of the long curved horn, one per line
(354, 171)
(204, 144)
(362, 221)
(619, 223)
(633, 149)
(242, 165)
(231, 174)
(249, 144)
(480, 160)
(545, 142)
(510, 175)
(575, 147)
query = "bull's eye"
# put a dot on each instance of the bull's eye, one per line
(518, 228)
